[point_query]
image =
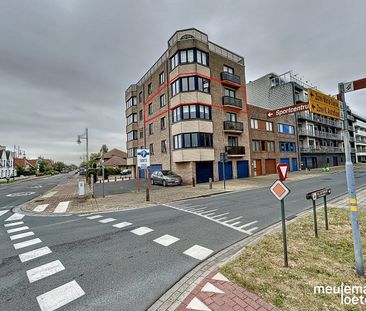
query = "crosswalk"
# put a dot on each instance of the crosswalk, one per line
(60, 208)
(221, 217)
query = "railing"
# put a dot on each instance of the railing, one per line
(320, 134)
(322, 149)
(350, 128)
(231, 101)
(233, 126)
(235, 150)
(226, 76)
(319, 119)
(350, 117)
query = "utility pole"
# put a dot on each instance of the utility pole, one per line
(356, 235)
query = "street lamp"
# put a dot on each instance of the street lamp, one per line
(85, 136)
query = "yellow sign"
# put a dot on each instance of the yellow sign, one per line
(323, 104)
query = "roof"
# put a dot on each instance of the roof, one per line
(115, 152)
(115, 161)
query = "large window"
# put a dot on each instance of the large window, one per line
(188, 57)
(132, 118)
(256, 145)
(231, 116)
(254, 123)
(132, 135)
(229, 93)
(228, 69)
(187, 112)
(192, 140)
(190, 84)
(269, 126)
(287, 147)
(270, 146)
(132, 152)
(131, 102)
(286, 129)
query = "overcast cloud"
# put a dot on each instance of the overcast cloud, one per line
(64, 65)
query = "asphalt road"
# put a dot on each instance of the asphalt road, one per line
(116, 269)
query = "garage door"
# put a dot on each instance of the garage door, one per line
(285, 161)
(155, 167)
(294, 165)
(270, 166)
(204, 171)
(242, 168)
(228, 170)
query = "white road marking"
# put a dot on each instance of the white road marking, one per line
(122, 224)
(94, 217)
(27, 243)
(44, 271)
(166, 240)
(198, 252)
(220, 277)
(200, 210)
(14, 224)
(197, 304)
(252, 229)
(3, 212)
(60, 296)
(39, 252)
(220, 215)
(21, 235)
(219, 219)
(17, 229)
(232, 219)
(15, 216)
(236, 223)
(62, 207)
(249, 224)
(141, 230)
(49, 194)
(210, 288)
(205, 212)
(106, 220)
(40, 208)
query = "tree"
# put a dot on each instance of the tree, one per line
(104, 148)
(59, 166)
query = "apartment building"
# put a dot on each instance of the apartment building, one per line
(360, 137)
(188, 108)
(7, 168)
(273, 141)
(319, 138)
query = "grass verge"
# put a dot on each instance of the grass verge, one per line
(328, 260)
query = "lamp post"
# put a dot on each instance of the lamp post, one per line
(85, 136)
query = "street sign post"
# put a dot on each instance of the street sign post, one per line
(314, 195)
(143, 162)
(223, 159)
(287, 110)
(280, 191)
(323, 104)
(282, 169)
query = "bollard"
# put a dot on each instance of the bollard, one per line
(147, 194)
(326, 214)
(315, 220)
(210, 182)
(193, 182)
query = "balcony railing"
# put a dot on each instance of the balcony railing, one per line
(320, 134)
(319, 119)
(231, 101)
(229, 77)
(235, 150)
(350, 128)
(321, 149)
(233, 126)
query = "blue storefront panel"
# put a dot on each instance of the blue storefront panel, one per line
(228, 170)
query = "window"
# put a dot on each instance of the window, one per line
(229, 93)
(270, 146)
(132, 118)
(140, 97)
(287, 147)
(151, 149)
(150, 108)
(188, 57)
(269, 126)
(163, 123)
(132, 152)
(141, 134)
(175, 87)
(228, 69)
(286, 129)
(161, 78)
(187, 112)
(202, 58)
(149, 88)
(162, 100)
(189, 84)
(131, 102)
(141, 115)
(256, 145)
(233, 141)
(151, 128)
(231, 116)
(132, 135)
(254, 123)
(163, 146)
(192, 140)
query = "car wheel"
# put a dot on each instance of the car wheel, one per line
(164, 183)
(152, 182)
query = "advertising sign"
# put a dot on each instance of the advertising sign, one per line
(143, 158)
(324, 104)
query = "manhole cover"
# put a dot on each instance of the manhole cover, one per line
(20, 194)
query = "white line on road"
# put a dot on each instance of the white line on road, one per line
(44, 271)
(40, 208)
(166, 240)
(252, 229)
(106, 220)
(14, 224)
(21, 235)
(3, 212)
(94, 217)
(15, 216)
(60, 296)
(232, 219)
(27, 243)
(236, 223)
(205, 212)
(141, 230)
(122, 225)
(220, 215)
(198, 252)
(219, 219)
(248, 224)
(62, 207)
(39, 252)
(18, 229)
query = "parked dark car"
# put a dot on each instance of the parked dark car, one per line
(165, 178)
(126, 172)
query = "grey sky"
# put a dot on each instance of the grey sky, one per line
(64, 65)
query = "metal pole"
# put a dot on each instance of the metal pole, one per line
(87, 146)
(223, 172)
(138, 179)
(326, 213)
(356, 235)
(315, 220)
(148, 185)
(103, 171)
(284, 238)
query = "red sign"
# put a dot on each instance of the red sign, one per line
(287, 110)
(282, 169)
(354, 85)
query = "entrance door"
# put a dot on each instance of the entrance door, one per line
(258, 167)
(242, 168)
(204, 171)
(228, 170)
(270, 166)
(294, 164)
(335, 161)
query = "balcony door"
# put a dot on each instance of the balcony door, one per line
(233, 141)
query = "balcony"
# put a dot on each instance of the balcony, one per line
(321, 149)
(232, 102)
(232, 126)
(320, 134)
(350, 117)
(319, 119)
(232, 79)
(235, 151)
(350, 128)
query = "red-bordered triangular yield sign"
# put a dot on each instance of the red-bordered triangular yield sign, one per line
(282, 169)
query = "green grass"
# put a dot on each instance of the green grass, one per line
(328, 260)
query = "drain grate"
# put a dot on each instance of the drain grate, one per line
(41, 200)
